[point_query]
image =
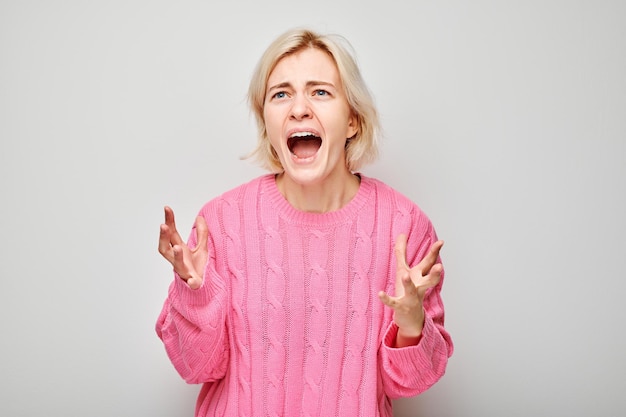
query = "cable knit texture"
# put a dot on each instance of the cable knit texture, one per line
(288, 320)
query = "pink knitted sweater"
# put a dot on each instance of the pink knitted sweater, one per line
(288, 321)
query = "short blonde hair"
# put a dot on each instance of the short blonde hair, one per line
(362, 148)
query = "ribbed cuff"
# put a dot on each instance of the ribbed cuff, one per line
(410, 355)
(211, 286)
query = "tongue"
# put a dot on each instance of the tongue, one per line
(305, 148)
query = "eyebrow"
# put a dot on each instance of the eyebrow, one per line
(309, 84)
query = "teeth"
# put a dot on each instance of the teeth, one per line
(302, 134)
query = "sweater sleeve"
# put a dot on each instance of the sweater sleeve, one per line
(192, 326)
(411, 370)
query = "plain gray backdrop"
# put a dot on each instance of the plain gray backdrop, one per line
(504, 120)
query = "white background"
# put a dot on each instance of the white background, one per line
(504, 120)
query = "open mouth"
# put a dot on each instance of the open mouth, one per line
(304, 144)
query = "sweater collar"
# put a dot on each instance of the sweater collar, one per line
(287, 212)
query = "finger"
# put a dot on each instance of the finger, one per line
(179, 263)
(386, 299)
(408, 286)
(169, 216)
(431, 258)
(202, 233)
(194, 283)
(431, 280)
(165, 247)
(435, 275)
(170, 221)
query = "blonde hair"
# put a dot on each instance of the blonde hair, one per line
(362, 148)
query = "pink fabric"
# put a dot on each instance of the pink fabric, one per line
(288, 321)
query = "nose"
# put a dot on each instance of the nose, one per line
(300, 108)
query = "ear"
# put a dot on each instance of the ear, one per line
(353, 126)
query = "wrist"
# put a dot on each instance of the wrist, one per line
(404, 339)
(410, 335)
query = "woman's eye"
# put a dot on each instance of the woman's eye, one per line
(280, 94)
(321, 93)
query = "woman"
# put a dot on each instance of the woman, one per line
(281, 300)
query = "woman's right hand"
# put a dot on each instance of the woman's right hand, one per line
(188, 263)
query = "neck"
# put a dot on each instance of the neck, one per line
(329, 195)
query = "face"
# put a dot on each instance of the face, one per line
(307, 117)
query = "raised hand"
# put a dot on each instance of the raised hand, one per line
(411, 286)
(188, 263)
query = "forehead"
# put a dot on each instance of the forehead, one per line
(305, 65)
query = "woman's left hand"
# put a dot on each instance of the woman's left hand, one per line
(411, 286)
